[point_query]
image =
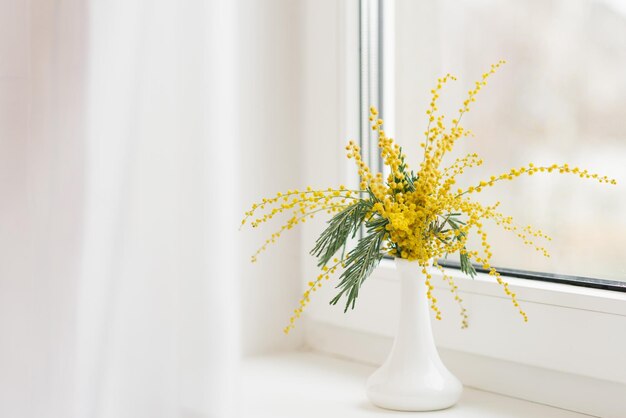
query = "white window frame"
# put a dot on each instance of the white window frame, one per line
(571, 354)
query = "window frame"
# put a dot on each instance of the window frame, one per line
(377, 84)
(570, 342)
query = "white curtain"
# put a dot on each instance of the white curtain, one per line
(118, 141)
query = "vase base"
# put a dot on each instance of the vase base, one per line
(413, 385)
(413, 403)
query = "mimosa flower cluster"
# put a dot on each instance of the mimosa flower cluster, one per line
(415, 215)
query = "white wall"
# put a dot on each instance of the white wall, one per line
(326, 127)
(296, 126)
(270, 113)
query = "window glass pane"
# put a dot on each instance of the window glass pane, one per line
(561, 98)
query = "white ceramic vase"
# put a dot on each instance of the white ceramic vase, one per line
(413, 378)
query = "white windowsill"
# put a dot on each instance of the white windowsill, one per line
(305, 384)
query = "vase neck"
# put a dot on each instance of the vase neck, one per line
(414, 322)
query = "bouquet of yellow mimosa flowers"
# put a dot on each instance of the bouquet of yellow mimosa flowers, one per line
(411, 214)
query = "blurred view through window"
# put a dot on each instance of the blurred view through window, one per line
(561, 98)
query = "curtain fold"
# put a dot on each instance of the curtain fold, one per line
(116, 249)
